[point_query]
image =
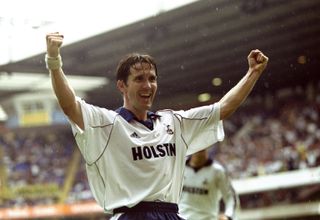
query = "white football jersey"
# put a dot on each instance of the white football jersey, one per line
(128, 163)
(203, 190)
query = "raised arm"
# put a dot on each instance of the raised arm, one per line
(232, 100)
(62, 89)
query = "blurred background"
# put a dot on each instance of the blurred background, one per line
(272, 144)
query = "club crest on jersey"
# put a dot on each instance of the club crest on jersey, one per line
(205, 182)
(168, 129)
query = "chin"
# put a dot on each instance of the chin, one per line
(148, 107)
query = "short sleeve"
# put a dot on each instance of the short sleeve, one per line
(201, 127)
(98, 124)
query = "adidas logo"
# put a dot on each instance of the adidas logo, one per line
(134, 135)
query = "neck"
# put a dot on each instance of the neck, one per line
(141, 115)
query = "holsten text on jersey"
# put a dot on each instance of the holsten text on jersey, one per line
(148, 152)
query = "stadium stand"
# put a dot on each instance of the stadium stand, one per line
(37, 169)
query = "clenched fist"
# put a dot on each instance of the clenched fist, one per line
(54, 42)
(257, 61)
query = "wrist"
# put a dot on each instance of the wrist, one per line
(53, 63)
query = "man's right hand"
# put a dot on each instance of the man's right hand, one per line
(54, 42)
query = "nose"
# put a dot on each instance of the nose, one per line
(147, 84)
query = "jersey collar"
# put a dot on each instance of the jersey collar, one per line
(129, 116)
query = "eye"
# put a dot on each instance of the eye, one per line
(153, 78)
(139, 78)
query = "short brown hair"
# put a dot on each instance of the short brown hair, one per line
(123, 69)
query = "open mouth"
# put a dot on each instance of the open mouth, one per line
(146, 96)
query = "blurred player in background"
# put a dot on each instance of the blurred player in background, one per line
(135, 158)
(205, 184)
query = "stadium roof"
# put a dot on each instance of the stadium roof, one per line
(193, 45)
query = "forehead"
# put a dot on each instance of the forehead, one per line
(142, 67)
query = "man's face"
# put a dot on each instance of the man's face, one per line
(141, 87)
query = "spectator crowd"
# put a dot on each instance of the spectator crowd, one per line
(283, 137)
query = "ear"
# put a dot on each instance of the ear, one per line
(121, 86)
